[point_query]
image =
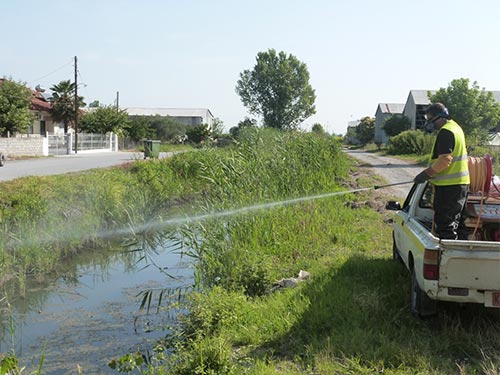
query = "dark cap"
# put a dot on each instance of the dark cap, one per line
(438, 109)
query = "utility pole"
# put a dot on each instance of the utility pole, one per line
(76, 106)
(117, 100)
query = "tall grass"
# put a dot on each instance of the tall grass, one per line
(352, 317)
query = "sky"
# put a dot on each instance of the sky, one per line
(189, 54)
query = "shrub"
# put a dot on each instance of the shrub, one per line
(411, 142)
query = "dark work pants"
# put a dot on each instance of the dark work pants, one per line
(450, 212)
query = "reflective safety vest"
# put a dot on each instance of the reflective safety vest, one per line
(458, 171)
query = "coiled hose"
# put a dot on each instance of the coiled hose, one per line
(480, 173)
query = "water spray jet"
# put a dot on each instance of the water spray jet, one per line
(157, 225)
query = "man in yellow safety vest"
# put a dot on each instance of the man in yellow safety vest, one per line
(448, 172)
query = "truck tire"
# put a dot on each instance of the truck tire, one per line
(395, 251)
(421, 305)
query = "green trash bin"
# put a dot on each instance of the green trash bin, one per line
(151, 148)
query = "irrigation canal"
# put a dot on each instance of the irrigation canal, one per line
(91, 315)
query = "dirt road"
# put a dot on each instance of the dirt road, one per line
(391, 169)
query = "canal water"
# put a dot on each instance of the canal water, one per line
(90, 315)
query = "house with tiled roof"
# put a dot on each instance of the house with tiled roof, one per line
(40, 107)
(43, 123)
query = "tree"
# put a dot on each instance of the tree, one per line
(198, 134)
(246, 123)
(95, 104)
(217, 127)
(277, 89)
(166, 128)
(138, 128)
(473, 108)
(15, 101)
(63, 103)
(318, 128)
(396, 124)
(104, 120)
(365, 131)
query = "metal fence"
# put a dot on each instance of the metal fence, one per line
(93, 142)
(58, 144)
(65, 144)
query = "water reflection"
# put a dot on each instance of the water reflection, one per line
(89, 313)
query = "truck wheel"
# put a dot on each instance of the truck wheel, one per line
(395, 251)
(421, 305)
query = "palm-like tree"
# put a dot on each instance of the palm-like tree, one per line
(63, 103)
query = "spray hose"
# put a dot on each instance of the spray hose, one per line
(394, 184)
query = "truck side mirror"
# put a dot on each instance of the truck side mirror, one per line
(393, 206)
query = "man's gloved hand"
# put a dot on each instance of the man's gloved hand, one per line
(421, 177)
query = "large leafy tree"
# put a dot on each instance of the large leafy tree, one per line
(15, 101)
(396, 124)
(63, 103)
(278, 89)
(104, 120)
(365, 131)
(139, 128)
(163, 128)
(473, 108)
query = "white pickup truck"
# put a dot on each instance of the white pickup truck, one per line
(447, 270)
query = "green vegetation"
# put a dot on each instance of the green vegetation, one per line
(104, 119)
(15, 100)
(365, 131)
(278, 89)
(473, 108)
(351, 317)
(396, 124)
(411, 142)
(63, 103)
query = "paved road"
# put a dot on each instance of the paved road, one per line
(391, 169)
(66, 163)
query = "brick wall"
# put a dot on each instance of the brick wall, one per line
(24, 146)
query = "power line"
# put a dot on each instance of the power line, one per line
(56, 70)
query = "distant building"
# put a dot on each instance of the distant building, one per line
(415, 107)
(350, 137)
(384, 111)
(186, 116)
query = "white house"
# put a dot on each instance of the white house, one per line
(186, 116)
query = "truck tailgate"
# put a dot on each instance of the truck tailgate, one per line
(470, 264)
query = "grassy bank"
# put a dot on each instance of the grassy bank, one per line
(350, 317)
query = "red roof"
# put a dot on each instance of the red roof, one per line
(39, 103)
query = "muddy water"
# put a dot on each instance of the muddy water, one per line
(91, 315)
